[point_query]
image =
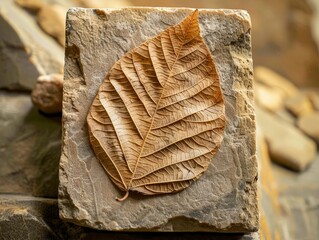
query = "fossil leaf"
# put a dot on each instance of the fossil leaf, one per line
(158, 117)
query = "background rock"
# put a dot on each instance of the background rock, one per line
(299, 105)
(103, 3)
(270, 227)
(286, 116)
(315, 21)
(47, 94)
(30, 147)
(25, 217)
(273, 80)
(314, 98)
(30, 5)
(287, 145)
(268, 97)
(51, 19)
(25, 51)
(310, 125)
(298, 195)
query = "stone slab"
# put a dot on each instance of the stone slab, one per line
(224, 199)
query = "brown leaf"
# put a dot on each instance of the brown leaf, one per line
(158, 118)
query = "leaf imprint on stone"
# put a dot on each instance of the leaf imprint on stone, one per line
(159, 118)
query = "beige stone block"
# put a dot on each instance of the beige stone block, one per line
(224, 199)
(309, 124)
(287, 144)
(274, 80)
(299, 105)
(268, 98)
(51, 19)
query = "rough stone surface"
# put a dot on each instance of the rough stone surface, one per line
(51, 19)
(25, 50)
(299, 104)
(30, 147)
(224, 198)
(309, 123)
(47, 94)
(287, 145)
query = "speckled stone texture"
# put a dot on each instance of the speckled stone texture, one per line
(224, 199)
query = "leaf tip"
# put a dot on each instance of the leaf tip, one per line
(195, 13)
(190, 24)
(194, 16)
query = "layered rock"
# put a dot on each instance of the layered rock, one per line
(25, 50)
(268, 97)
(25, 217)
(30, 147)
(224, 198)
(299, 105)
(51, 19)
(309, 123)
(287, 145)
(30, 5)
(103, 3)
(285, 113)
(275, 81)
(298, 195)
(314, 98)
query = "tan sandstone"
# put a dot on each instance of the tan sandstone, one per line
(224, 199)
(51, 19)
(267, 97)
(270, 227)
(299, 104)
(287, 145)
(30, 5)
(47, 93)
(309, 123)
(274, 80)
(314, 98)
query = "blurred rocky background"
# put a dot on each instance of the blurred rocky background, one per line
(286, 59)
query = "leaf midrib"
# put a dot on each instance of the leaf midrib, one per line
(157, 106)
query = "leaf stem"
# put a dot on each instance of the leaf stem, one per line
(124, 197)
